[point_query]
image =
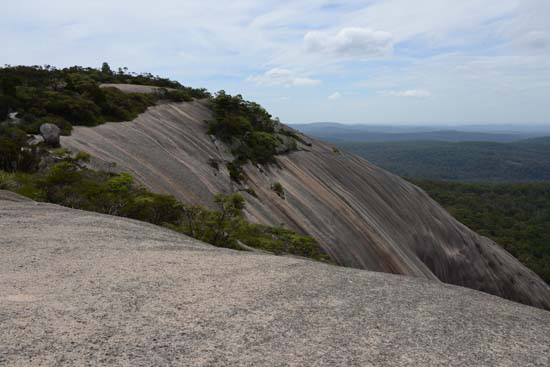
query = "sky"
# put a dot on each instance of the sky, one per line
(373, 61)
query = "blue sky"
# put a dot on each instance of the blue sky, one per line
(373, 61)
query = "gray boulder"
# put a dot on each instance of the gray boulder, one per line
(50, 133)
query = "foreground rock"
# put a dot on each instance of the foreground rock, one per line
(80, 288)
(363, 216)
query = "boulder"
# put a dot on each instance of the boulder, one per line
(50, 133)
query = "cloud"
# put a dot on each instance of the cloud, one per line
(284, 77)
(334, 96)
(536, 40)
(413, 93)
(350, 42)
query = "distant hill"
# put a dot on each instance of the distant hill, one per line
(338, 133)
(526, 160)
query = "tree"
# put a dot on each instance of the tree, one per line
(106, 69)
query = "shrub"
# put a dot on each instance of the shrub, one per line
(218, 227)
(15, 153)
(235, 171)
(278, 188)
(176, 95)
(152, 208)
(282, 241)
(7, 181)
(263, 146)
(247, 126)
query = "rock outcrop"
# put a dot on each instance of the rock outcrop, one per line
(363, 216)
(81, 288)
(50, 133)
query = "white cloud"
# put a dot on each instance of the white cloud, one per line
(414, 93)
(334, 96)
(283, 77)
(350, 42)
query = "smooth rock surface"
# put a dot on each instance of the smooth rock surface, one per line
(363, 216)
(83, 289)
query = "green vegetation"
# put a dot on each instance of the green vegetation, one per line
(278, 188)
(15, 153)
(282, 241)
(526, 160)
(73, 96)
(226, 226)
(516, 216)
(235, 171)
(69, 183)
(248, 128)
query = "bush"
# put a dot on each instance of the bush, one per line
(7, 181)
(217, 227)
(278, 188)
(235, 171)
(247, 126)
(121, 106)
(263, 147)
(176, 95)
(152, 208)
(282, 241)
(15, 153)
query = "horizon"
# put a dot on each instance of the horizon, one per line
(534, 129)
(429, 124)
(385, 62)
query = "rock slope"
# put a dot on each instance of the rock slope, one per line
(363, 216)
(82, 289)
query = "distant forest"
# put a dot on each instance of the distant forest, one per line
(525, 160)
